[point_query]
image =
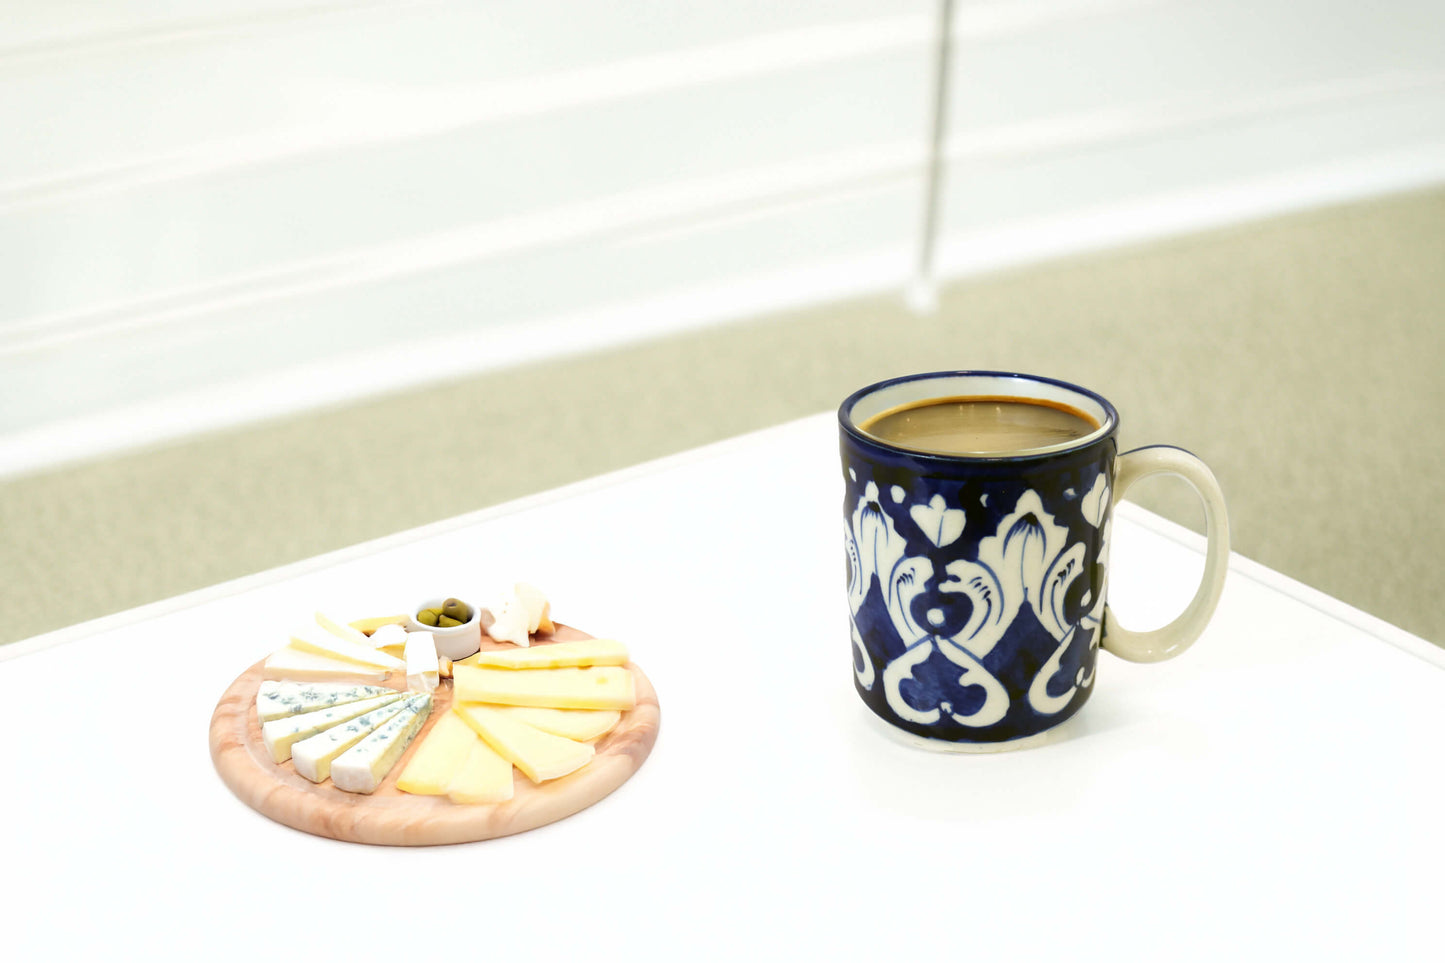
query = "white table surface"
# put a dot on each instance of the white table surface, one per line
(1276, 790)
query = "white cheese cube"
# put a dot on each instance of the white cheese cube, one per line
(422, 667)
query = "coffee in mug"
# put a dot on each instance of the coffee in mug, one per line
(980, 425)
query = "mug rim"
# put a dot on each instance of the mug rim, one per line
(1109, 422)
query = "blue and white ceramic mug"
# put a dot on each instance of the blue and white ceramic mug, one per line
(977, 579)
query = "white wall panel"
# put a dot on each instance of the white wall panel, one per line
(240, 222)
(216, 210)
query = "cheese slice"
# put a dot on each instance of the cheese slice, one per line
(301, 666)
(369, 626)
(276, 699)
(539, 610)
(391, 639)
(313, 755)
(439, 758)
(584, 725)
(485, 777)
(540, 755)
(345, 632)
(597, 687)
(583, 652)
(422, 668)
(311, 638)
(281, 734)
(362, 767)
(509, 622)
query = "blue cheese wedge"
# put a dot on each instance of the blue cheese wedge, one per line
(277, 699)
(312, 638)
(313, 756)
(281, 734)
(362, 767)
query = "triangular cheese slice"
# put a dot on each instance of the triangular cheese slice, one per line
(362, 767)
(298, 665)
(583, 725)
(485, 777)
(311, 638)
(281, 734)
(275, 699)
(313, 755)
(439, 757)
(540, 755)
(345, 632)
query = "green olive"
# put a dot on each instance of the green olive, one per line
(446, 622)
(427, 616)
(456, 609)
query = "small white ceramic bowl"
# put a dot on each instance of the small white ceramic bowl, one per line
(454, 642)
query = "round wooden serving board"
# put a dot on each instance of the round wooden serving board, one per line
(391, 817)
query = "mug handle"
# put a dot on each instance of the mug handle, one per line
(1172, 639)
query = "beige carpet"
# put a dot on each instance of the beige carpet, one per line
(1302, 358)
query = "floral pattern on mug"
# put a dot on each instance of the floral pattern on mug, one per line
(1001, 636)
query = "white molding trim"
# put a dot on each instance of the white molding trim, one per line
(181, 31)
(409, 117)
(695, 203)
(1152, 119)
(1153, 217)
(392, 118)
(687, 204)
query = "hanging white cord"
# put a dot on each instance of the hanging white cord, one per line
(922, 293)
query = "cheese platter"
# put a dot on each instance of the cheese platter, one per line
(388, 743)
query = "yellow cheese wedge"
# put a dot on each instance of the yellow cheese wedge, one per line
(485, 777)
(368, 626)
(540, 755)
(584, 725)
(583, 652)
(597, 687)
(440, 756)
(301, 666)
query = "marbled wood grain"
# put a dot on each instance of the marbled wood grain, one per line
(391, 817)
